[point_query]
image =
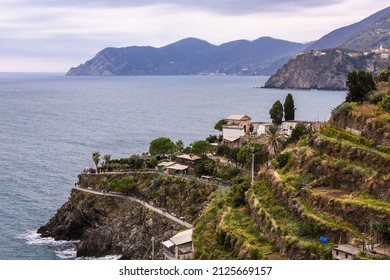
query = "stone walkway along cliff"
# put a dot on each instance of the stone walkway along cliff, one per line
(143, 203)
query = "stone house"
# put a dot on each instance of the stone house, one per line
(344, 252)
(179, 247)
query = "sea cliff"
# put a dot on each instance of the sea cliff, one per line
(118, 225)
(324, 70)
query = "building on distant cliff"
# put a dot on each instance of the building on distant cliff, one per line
(382, 51)
(179, 247)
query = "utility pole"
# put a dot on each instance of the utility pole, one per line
(153, 239)
(253, 169)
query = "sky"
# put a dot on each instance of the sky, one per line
(52, 36)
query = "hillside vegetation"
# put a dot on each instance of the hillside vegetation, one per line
(334, 182)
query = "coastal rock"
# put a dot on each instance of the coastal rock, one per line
(323, 70)
(109, 226)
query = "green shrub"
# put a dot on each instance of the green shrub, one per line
(309, 229)
(376, 97)
(385, 103)
(152, 163)
(126, 185)
(342, 109)
(228, 172)
(297, 132)
(282, 159)
(237, 191)
(339, 165)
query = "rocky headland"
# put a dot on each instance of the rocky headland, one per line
(116, 225)
(324, 70)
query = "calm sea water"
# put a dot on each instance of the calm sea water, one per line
(50, 125)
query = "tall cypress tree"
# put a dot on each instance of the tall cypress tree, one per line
(276, 113)
(289, 108)
(359, 83)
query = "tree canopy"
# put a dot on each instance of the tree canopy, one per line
(276, 113)
(219, 124)
(246, 151)
(161, 145)
(200, 147)
(359, 84)
(289, 108)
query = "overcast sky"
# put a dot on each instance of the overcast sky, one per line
(52, 36)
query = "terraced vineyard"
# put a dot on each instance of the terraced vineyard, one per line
(335, 184)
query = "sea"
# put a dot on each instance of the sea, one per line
(50, 124)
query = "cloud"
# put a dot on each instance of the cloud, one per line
(230, 7)
(61, 34)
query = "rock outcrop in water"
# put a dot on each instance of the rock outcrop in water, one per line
(324, 70)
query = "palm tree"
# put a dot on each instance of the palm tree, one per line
(107, 158)
(96, 159)
(275, 138)
(179, 146)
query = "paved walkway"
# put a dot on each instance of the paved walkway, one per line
(147, 205)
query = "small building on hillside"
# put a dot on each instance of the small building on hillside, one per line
(177, 169)
(234, 132)
(288, 126)
(163, 166)
(187, 159)
(260, 127)
(344, 252)
(232, 136)
(179, 247)
(240, 121)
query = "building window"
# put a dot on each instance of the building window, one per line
(337, 253)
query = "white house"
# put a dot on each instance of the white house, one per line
(260, 127)
(287, 127)
(241, 121)
(237, 127)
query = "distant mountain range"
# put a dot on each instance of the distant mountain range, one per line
(366, 34)
(263, 56)
(192, 56)
(361, 46)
